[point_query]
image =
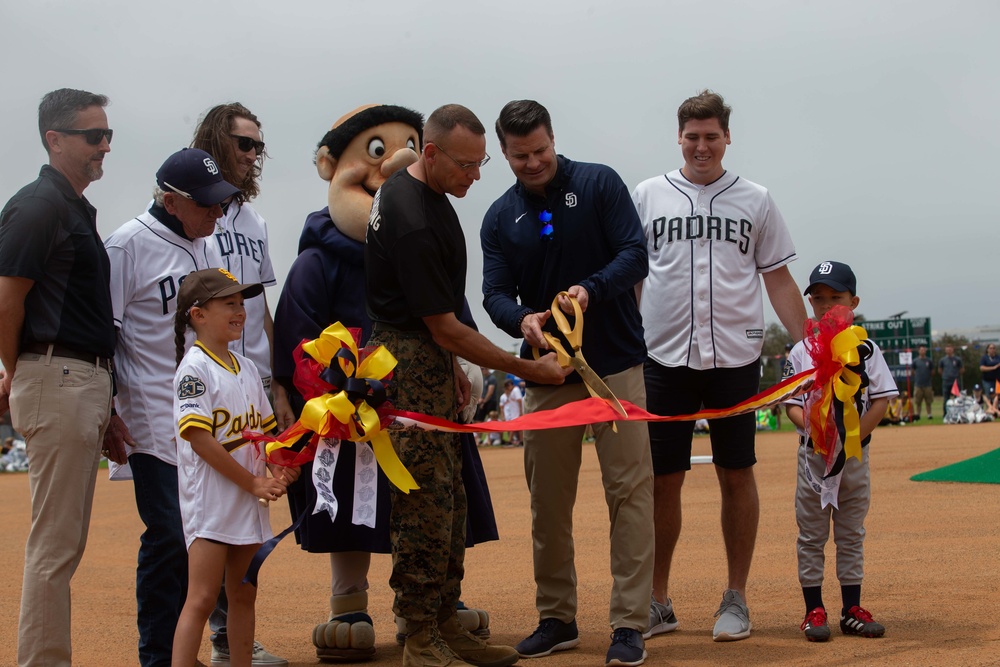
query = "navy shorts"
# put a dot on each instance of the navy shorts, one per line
(681, 391)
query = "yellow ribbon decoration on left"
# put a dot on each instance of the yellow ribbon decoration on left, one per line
(844, 384)
(319, 413)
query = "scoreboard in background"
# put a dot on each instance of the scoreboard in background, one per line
(896, 336)
(899, 334)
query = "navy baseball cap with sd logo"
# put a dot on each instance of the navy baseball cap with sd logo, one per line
(835, 275)
(193, 174)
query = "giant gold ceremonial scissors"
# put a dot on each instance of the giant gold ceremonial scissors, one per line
(574, 336)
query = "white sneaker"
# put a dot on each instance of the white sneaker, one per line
(261, 658)
(734, 618)
(661, 618)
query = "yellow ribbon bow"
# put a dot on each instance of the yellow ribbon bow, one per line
(844, 384)
(361, 419)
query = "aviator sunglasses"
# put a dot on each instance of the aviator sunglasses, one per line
(545, 215)
(246, 143)
(93, 136)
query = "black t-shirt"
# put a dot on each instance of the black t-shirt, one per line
(922, 368)
(49, 235)
(990, 377)
(951, 367)
(415, 257)
(491, 402)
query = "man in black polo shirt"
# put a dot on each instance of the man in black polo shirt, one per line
(56, 341)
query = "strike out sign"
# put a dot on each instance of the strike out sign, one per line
(899, 334)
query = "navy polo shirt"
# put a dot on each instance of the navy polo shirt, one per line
(597, 242)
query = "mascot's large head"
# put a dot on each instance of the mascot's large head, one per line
(359, 153)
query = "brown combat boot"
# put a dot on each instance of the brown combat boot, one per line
(424, 647)
(472, 649)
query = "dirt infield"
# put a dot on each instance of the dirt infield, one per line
(932, 566)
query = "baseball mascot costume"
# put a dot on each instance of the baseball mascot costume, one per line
(326, 284)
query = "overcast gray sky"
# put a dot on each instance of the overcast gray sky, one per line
(872, 123)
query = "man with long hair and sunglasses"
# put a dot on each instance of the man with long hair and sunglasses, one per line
(570, 226)
(231, 134)
(150, 255)
(57, 338)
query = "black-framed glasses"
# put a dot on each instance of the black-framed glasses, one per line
(545, 216)
(94, 136)
(246, 143)
(465, 166)
(187, 196)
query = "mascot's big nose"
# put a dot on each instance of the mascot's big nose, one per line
(402, 158)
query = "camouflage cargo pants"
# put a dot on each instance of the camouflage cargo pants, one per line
(426, 526)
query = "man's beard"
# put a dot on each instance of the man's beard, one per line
(94, 171)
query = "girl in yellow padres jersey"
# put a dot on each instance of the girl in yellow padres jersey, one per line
(221, 476)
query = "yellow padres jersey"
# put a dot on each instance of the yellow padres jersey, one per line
(223, 398)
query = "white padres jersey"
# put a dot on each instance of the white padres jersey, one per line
(880, 381)
(148, 262)
(224, 400)
(241, 245)
(701, 302)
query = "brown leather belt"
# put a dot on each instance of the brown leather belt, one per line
(68, 352)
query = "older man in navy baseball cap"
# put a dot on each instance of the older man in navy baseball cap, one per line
(150, 255)
(194, 175)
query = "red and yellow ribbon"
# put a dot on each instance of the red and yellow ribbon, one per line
(833, 347)
(343, 413)
(597, 410)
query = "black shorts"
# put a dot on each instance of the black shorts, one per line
(682, 391)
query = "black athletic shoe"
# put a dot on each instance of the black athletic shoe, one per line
(550, 635)
(815, 625)
(859, 622)
(627, 649)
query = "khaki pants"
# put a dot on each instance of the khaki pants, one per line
(923, 395)
(61, 406)
(552, 468)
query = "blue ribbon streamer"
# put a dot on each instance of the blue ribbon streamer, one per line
(265, 549)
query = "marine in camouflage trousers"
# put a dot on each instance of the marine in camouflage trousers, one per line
(426, 526)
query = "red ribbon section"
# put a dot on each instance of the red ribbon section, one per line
(596, 410)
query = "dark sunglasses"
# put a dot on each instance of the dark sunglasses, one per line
(246, 143)
(545, 215)
(93, 136)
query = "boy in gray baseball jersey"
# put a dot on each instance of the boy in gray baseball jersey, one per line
(843, 494)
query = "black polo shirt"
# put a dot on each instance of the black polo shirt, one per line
(49, 235)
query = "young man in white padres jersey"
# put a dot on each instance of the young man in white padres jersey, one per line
(150, 255)
(709, 233)
(230, 133)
